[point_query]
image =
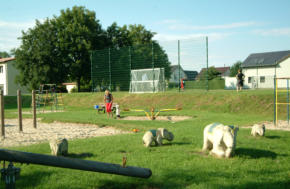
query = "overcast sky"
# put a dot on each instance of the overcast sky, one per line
(234, 28)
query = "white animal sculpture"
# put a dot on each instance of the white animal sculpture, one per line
(258, 130)
(220, 139)
(157, 136)
(59, 147)
(118, 111)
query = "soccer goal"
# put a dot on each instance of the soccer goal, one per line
(147, 80)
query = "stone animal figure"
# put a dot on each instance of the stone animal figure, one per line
(220, 139)
(258, 130)
(157, 136)
(59, 147)
(118, 111)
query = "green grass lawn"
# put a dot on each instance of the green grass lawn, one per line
(262, 162)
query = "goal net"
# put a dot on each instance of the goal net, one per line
(147, 80)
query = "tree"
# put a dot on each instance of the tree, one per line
(213, 73)
(58, 49)
(38, 58)
(234, 68)
(126, 43)
(4, 54)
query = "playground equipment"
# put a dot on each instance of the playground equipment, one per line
(48, 96)
(276, 92)
(153, 113)
(102, 108)
(11, 173)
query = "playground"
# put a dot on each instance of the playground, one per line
(93, 136)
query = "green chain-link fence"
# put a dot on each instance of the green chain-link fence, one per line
(184, 63)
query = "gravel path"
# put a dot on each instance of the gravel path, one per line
(48, 131)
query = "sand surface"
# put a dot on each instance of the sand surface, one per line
(282, 125)
(48, 131)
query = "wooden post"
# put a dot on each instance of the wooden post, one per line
(2, 114)
(19, 103)
(34, 108)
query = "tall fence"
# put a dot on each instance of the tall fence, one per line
(182, 61)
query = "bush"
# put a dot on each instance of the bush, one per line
(216, 83)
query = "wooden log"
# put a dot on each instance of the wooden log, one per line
(86, 165)
(2, 114)
(19, 105)
(34, 109)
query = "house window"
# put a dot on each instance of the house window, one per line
(249, 79)
(1, 69)
(262, 79)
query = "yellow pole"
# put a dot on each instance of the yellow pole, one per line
(276, 102)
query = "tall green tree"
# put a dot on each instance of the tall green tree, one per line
(131, 47)
(38, 58)
(4, 54)
(78, 33)
(234, 68)
(212, 73)
(58, 49)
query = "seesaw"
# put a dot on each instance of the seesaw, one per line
(153, 113)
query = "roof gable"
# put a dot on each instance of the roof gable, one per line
(265, 59)
(2, 60)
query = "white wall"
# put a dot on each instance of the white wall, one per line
(230, 82)
(3, 78)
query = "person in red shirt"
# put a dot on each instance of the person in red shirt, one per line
(182, 84)
(108, 100)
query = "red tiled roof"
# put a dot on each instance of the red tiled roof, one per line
(2, 60)
(222, 69)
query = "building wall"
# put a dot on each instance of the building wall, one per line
(3, 78)
(230, 82)
(263, 77)
(174, 78)
(11, 86)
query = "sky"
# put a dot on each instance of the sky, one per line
(235, 28)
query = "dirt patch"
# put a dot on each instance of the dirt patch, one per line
(282, 125)
(48, 131)
(159, 118)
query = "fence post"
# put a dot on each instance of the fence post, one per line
(2, 114)
(34, 109)
(153, 66)
(178, 51)
(207, 87)
(288, 101)
(91, 58)
(130, 62)
(274, 100)
(19, 104)
(110, 71)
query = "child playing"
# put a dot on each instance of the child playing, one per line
(108, 100)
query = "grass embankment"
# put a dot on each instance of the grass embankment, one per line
(259, 162)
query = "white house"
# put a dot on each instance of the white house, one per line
(7, 77)
(261, 68)
(174, 78)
